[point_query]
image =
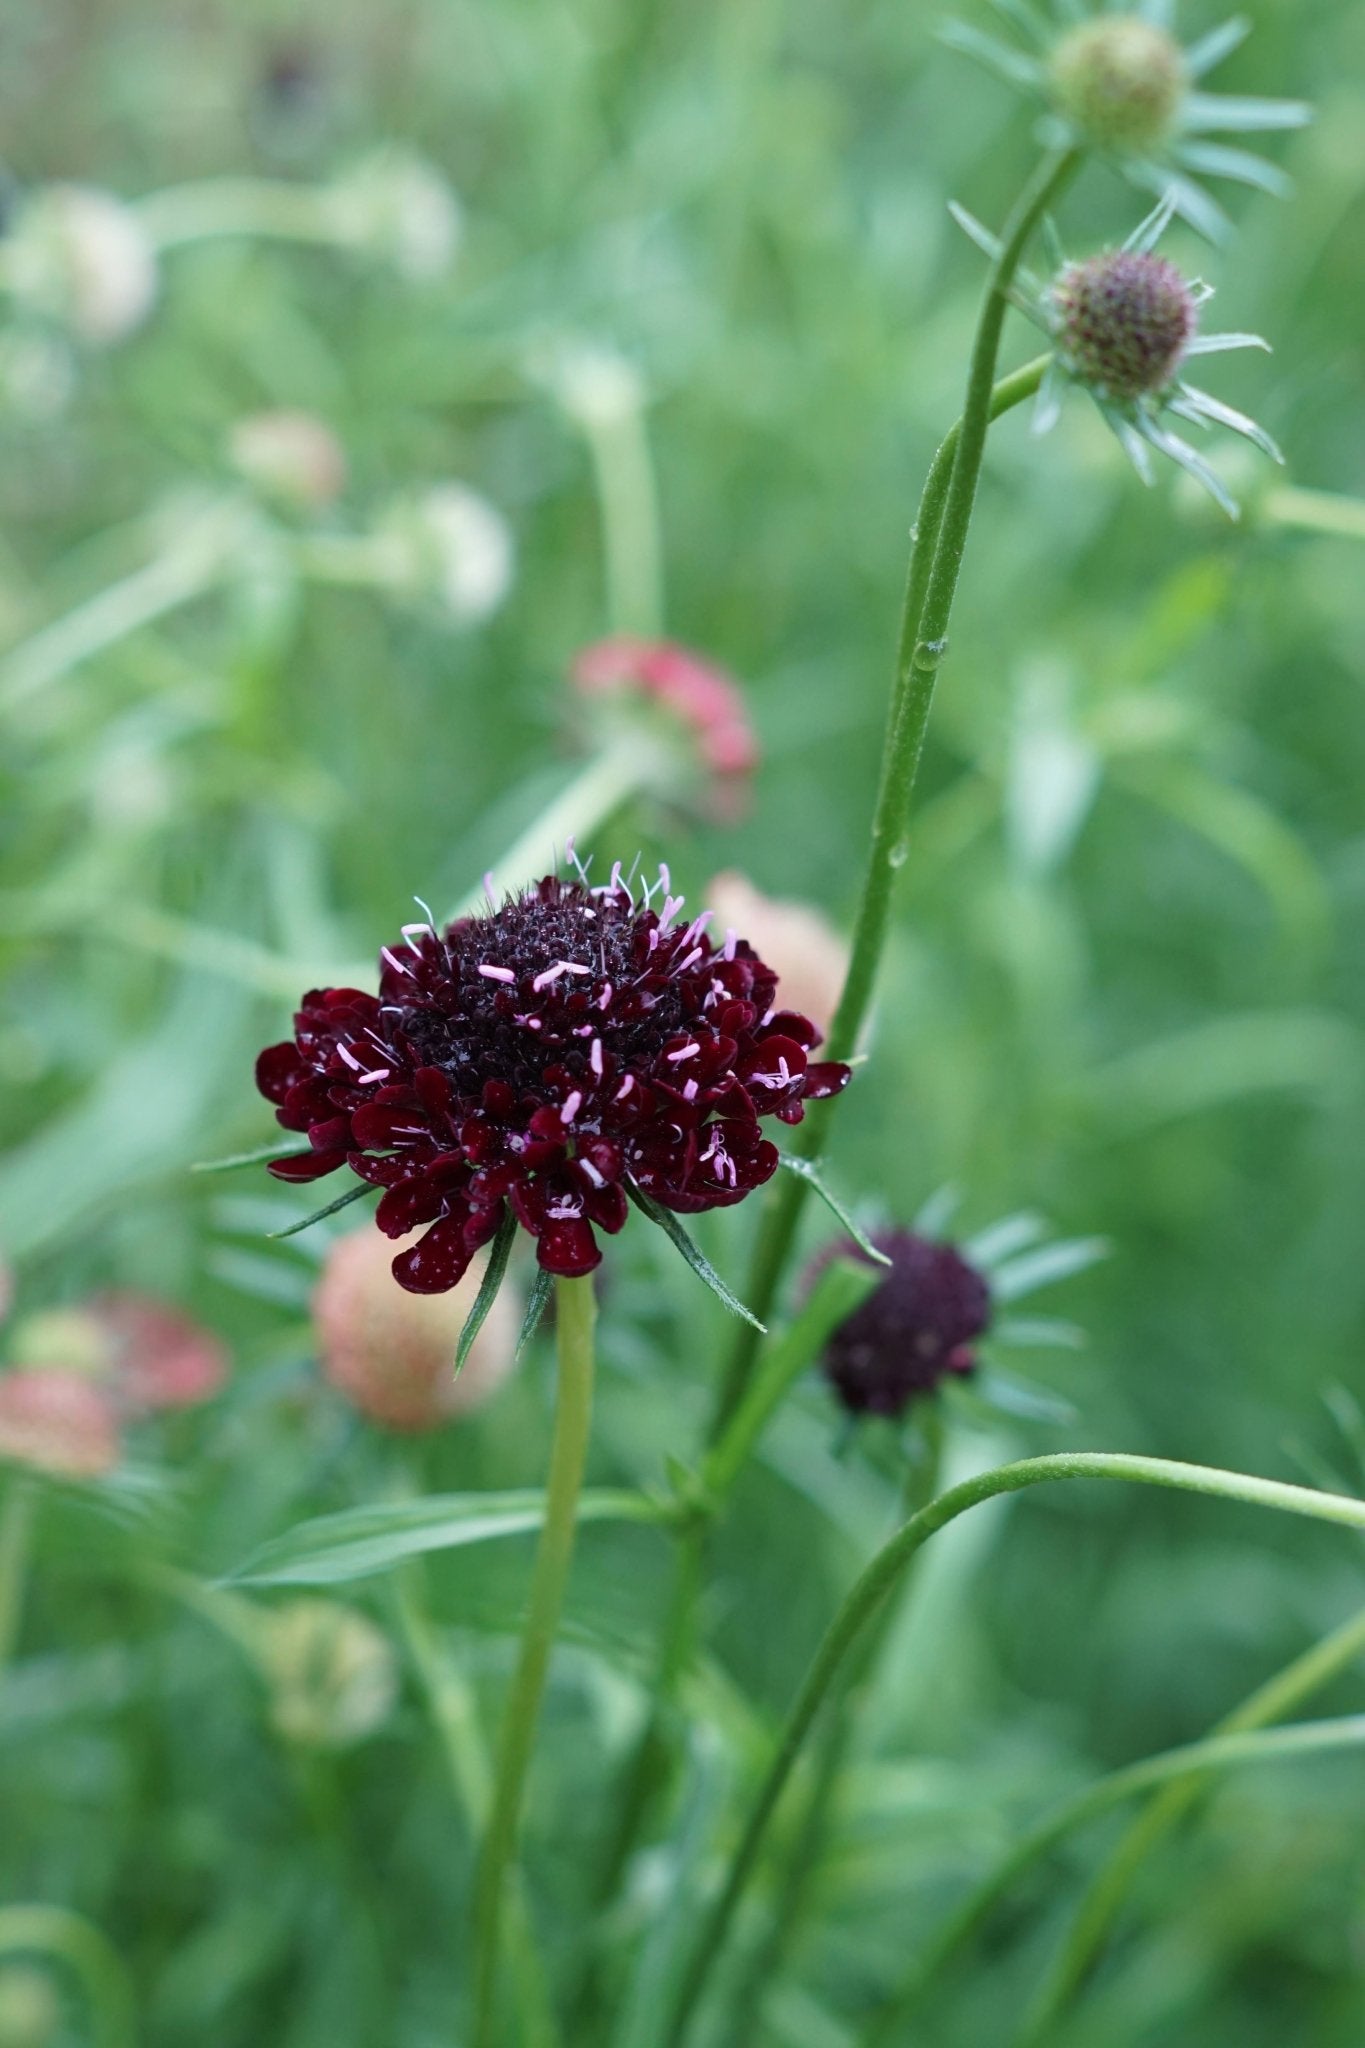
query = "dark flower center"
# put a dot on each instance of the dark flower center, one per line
(1124, 321)
(918, 1326)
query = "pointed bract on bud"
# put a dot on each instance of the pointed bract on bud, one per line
(807, 954)
(1119, 79)
(332, 1673)
(398, 206)
(57, 1421)
(453, 549)
(292, 457)
(82, 257)
(392, 1353)
(1124, 322)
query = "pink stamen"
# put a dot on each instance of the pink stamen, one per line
(595, 1059)
(731, 941)
(491, 973)
(690, 1091)
(572, 1104)
(604, 1000)
(684, 1052)
(549, 977)
(625, 1088)
(352, 1062)
(398, 966)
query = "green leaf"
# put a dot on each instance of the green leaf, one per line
(535, 1308)
(493, 1274)
(1020, 1398)
(696, 1259)
(1048, 1263)
(332, 1550)
(261, 1153)
(809, 1170)
(341, 1202)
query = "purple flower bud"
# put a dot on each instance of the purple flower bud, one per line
(1123, 322)
(912, 1331)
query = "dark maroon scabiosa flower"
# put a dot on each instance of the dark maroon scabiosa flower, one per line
(549, 1056)
(913, 1330)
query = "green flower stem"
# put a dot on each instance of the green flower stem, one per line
(1181, 1771)
(1095, 1915)
(16, 1529)
(931, 581)
(88, 1954)
(138, 600)
(264, 207)
(575, 1312)
(451, 1707)
(601, 789)
(803, 1858)
(873, 1586)
(1314, 512)
(840, 1288)
(628, 508)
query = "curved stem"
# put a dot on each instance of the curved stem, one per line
(575, 1312)
(1180, 1770)
(872, 1587)
(1099, 1905)
(90, 1955)
(939, 538)
(855, 1685)
(264, 207)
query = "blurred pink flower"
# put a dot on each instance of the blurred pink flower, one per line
(707, 701)
(807, 954)
(158, 1358)
(392, 1353)
(143, 1355)
(57, 1421)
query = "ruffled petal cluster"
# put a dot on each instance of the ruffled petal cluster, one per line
(546, 1058)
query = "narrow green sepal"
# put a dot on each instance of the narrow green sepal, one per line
(493, 1275)
(256, 1158)
(695, 1258)
(809, 1170)
(341, 1202)
(541, 1288)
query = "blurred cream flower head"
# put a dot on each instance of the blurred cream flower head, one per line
(798, 942)
(452, 547)
(332, 1674)
(82, 257)
(392, 1353)
(596, 386)
(291, 457)
(398, 206)
(31, 2009)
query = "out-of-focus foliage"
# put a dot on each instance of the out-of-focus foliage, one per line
(1124, 990)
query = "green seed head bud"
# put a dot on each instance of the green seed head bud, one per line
(1123, 321)
(1119, 80)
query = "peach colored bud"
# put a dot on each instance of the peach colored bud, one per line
(293, 457)
(83, 256)
(159, 1358)
(797, 941)
(57, 1421)
(392, 1353)
(332, 1674)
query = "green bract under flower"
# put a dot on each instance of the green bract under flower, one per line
(1122, 83)
(1124, 324)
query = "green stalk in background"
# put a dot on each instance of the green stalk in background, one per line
(1100, 1904)
(940, 540)
(1181, 1771)
(871, 1589)
(16, 1528)
(575, 1312)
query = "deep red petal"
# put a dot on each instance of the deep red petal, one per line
(437, 1262)
(568, 1248)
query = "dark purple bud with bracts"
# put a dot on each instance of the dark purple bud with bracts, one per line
(1124, 321)
(548, 1057)
(912, 1331)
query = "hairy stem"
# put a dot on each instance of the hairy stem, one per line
(575, 1312)
(937, 546)
(869, 1591)
(1100, 1904)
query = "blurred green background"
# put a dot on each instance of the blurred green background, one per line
(1125, 985)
